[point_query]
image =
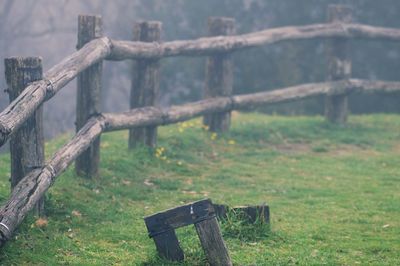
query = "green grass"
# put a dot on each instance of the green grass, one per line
(334, 195)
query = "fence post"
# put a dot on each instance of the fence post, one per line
(145, 82)
(339, 65)
(27, 144)
(219, 74)
(88, 95)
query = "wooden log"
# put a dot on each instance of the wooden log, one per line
(123, 50)
(88, 95)
(147, 116)
(155, 116)
(33, 186)
(56, 78)
(145, 83)
(212, 242)
(27, 144)
(168, 247)
(219, 74)
(339, 65)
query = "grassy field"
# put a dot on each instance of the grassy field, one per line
(334, 195)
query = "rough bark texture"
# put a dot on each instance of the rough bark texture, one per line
(219, 74)
(32, 187)
(145, 83)
(339, 65)
(56, 78)
(27, 144)
(155, 116)
(212, 242)
(123, 50)
(88, 95)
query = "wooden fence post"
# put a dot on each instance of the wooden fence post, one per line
(88, 95)
(27, 144)
(219, 74)
(145, 82)
(339, 65)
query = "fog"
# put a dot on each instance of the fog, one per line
(47, 28)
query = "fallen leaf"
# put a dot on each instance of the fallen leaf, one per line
(126, 182)
(147, 182)
(76, 213)
(41, 222)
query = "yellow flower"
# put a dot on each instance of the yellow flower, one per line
(179, 163)
(205, 127)
(214, 136)
(231, 142)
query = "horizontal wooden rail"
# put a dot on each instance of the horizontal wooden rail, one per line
(104, 48)
(56, 78)
(33, 186)
(122, 50)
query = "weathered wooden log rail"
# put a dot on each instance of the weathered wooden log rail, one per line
(94, 48)
(105, 48)
(32, 187)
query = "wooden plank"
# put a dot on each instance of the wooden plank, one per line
(339, 65)
(177, 217)
(219, 74)
(168, 247)
(88, 96)
(145, 83)
(27, 144)
(123, 50)
(212, 242)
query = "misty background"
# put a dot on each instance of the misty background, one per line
(48, 29)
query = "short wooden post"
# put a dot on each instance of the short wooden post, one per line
(219, 74)
(27, 144)
(145, 83)
(339, 65)
(212, 242)
(168, 247)
(88, 95)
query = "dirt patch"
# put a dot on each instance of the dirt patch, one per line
(293, 148)
(336, 150)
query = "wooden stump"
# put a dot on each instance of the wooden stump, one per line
(339, 65)
(145, 83)
(219, 74)
(88, 96)
(27, 144)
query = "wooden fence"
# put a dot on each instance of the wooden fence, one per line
(21, 121)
